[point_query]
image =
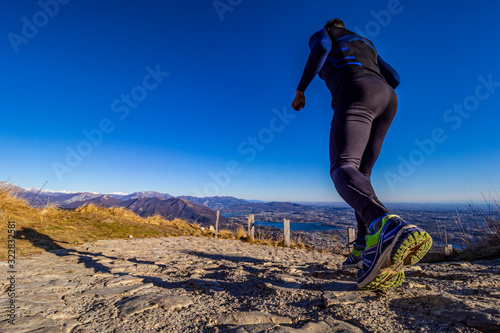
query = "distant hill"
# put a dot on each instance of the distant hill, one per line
(274, 207)
(47, 197)
(66, 200)
(214, 202)
(142, 194)
(173, 208)
(104, 200)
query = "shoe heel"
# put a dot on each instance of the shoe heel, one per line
(411, 247)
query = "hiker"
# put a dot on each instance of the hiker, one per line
(364, 103)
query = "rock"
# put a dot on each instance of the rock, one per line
(417, 285)
(132, 305)
(291, 287)
(28, 324)
(327, 326)
(331, 298)
(124, 280)
(326, 274)
(460, 264)
(289, 278)
(452, 310)
(173, 303)
(250, 317)
(413, 268)
(118, 290)
(258, 328)
(207, 285)
(44, 302)
(342, 327)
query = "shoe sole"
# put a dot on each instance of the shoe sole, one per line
(411, 246)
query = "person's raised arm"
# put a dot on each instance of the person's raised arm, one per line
(320, 45)
(389, 73)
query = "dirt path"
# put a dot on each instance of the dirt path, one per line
(191, 284)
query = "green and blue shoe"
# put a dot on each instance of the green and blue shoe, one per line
(355, 258)
(391, 245)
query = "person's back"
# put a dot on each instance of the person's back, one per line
(337, 52)
(350, 55)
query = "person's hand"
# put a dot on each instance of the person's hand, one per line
(299, 101)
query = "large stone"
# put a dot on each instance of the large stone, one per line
(207, 285)
(29, 324)
(136, 304)
(132, 305)
(327, 326)
(250, 317)
(452, 310)
(174, 303)
(333, 298)
(118, 290)
(41, 303)
(292, 287)
(124, 280)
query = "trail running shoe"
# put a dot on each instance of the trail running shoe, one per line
(394, 245)
(355, 258)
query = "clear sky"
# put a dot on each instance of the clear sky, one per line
(193, 97)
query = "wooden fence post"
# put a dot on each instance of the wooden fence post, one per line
(351, 235)
(286, 230)
(251, 226)
(217, 224)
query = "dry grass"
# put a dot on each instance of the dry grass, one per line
(241, 233)
(226, 234)
(38, 230)
(483, 240)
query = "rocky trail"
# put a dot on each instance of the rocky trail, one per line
(195, 284)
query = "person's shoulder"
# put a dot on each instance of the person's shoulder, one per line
(319, 33)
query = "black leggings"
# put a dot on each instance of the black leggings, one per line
(364, 108)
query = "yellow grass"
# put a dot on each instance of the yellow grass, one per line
(38, 230)
(241, 233)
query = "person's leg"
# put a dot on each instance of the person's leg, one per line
(362, 228)
(356, 130)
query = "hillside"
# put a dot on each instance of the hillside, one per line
(35, 226)
(145, 203)
(173, 208)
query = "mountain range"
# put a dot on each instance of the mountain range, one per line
(150, 203)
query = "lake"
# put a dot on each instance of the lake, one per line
(297, 226)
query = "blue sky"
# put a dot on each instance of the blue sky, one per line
(192, 98)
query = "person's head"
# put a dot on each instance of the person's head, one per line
(336, 22)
